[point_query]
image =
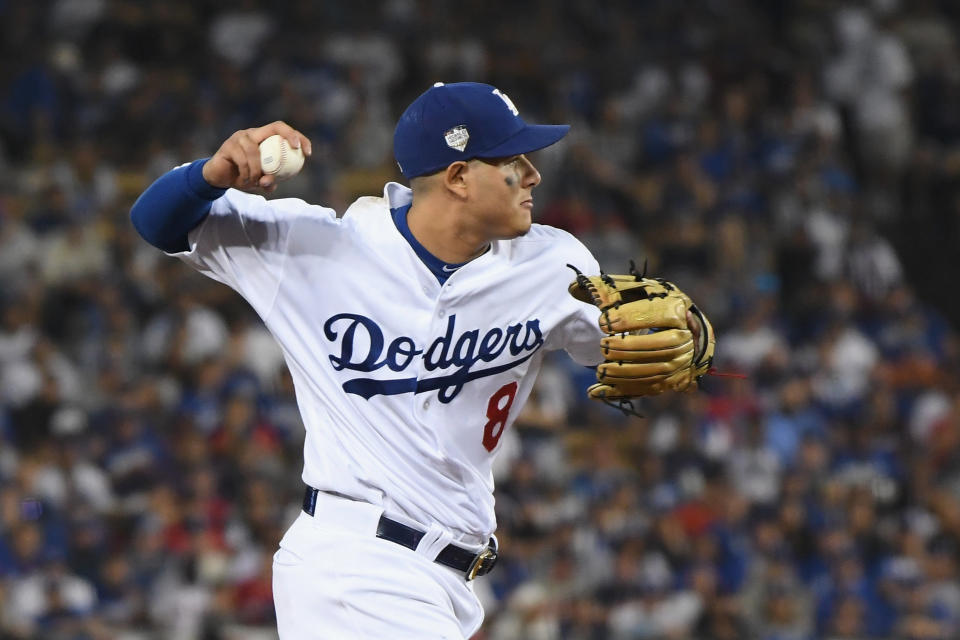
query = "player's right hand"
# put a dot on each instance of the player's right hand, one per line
(236, 163)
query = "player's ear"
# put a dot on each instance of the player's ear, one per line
(455, 178)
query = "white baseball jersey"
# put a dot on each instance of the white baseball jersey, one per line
(405, 386)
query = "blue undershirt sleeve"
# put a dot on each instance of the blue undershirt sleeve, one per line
(176, 203)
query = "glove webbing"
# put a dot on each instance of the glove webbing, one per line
(587, 286)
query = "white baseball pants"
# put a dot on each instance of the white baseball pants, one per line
(333, 579)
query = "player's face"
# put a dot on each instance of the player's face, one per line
(503, 195)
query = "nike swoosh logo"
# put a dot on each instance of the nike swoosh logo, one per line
(449, 270)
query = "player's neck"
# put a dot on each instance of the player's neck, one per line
(441, 232)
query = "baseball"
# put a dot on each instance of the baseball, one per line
(279, 159)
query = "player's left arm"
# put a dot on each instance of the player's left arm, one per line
(578, 332)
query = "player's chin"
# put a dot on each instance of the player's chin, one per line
(522, 226)
(524, 219)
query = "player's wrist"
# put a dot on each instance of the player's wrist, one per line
(199, 179)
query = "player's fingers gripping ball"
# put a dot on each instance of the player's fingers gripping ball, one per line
(649, 347)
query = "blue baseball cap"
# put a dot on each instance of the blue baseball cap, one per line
(464, 120)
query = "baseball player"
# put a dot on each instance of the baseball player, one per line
(413, 328)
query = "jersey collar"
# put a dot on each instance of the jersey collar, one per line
(442, 270)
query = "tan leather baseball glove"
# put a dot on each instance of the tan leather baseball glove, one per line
(650, 347)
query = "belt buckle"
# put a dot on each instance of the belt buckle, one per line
(479, 562)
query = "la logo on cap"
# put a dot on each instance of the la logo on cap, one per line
(506, 99)
(457, 137)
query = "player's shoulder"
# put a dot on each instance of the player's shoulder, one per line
(545, 233)
(548, 251)
(364, 207)
(394, 195)
(369, 213)
(543, 239)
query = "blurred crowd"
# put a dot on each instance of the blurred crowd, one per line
(772, 157)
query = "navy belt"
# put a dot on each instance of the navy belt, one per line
(467, 562)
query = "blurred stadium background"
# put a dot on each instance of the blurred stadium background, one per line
(792, 164)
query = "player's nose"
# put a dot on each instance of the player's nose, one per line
(531, 177)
